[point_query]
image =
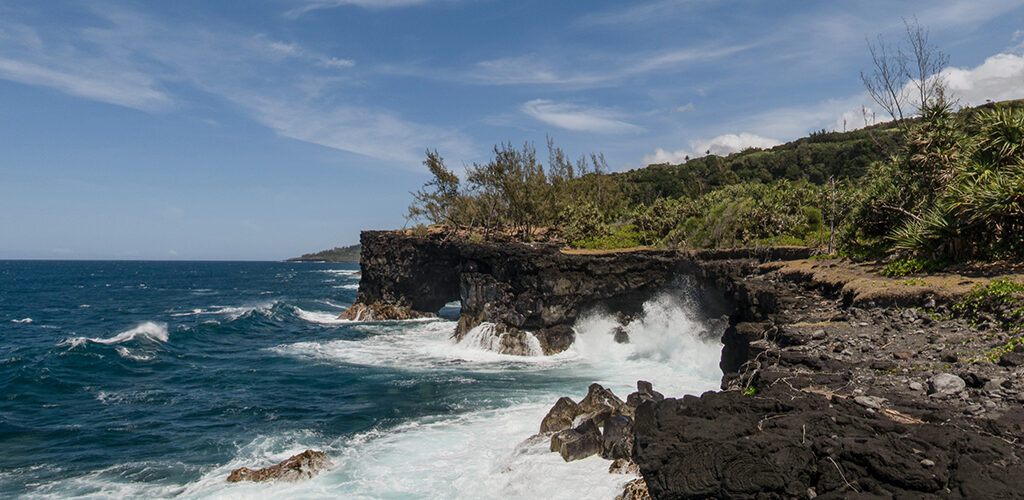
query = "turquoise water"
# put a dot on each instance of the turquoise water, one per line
(155, 379)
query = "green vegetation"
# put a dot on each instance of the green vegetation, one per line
(337, 254)
(944, 187)
(1001, 297)
(905, 266)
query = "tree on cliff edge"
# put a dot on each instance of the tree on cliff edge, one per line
(437, 200)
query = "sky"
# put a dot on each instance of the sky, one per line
(264, 129)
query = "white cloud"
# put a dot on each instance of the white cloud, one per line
(172, 253)
(722, 145)
(671, 157)
(999, 78)
(334, 62)
(685, 107)
(572, 117)
(732, 143)
(102, 83)
(374, 133)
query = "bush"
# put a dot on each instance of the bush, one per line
(906, 266)
(623, 237)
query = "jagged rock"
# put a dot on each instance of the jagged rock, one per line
(623, 466)
(720, 445)
(580, 442)
(555, 339)
(620, 335)
(945, 384)
(529, 287)
(302, 466)
(635, 490)
(644, 392)
(561, 415)
(598, 417)
(598, 399)
(618, 438)
(381, 312)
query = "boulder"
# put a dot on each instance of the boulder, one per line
(579, 443)
(555, 339)
(561, 416)
(635, 490)
(599, 398)
(621, 336)
(945, 384)
(644, 392)
(623, 466)
(305, 465)
(618, 438)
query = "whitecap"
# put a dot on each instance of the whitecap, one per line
(346, 287)
(22, 321)
(231, 312)
(321, 317)
(148, 330)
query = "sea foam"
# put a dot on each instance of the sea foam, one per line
(149, 330)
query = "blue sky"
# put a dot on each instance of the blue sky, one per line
(264, 129)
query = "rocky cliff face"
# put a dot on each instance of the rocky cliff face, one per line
(537, 288)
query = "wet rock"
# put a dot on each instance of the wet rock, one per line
(561, 415)
(621, 336)
(377, 311)
(644, 392)
(555, 339)
(618, 438)
(579, 442)
(635, 490)
(623, 466)
(302, 466)
(598, 417)
(945, 384)
(598, 398)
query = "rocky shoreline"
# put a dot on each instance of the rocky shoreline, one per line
(828, 390)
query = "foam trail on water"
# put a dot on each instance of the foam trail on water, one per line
(22, 321)
(320, 317)
(231, 312)
(148, 330)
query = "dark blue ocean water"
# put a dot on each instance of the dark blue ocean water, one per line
(155, 379)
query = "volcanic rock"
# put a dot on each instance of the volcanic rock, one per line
(945, 384)
(305, 465)
(618, 438)
(561, 415)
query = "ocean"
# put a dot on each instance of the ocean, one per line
(124, 379)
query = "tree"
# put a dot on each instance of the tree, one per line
(901, 71)
(438, 199)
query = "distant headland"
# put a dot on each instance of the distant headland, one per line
(336, 254)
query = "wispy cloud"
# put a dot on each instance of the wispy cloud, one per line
(280, 84)
(573, 117)
(593, 70)
(123, 88)
(635, 14)
(311, 5)
(374, 133)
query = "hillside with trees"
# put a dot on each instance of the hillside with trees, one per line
(936, 184)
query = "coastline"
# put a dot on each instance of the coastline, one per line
(826, 388)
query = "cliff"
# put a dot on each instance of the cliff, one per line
(834, 383)
(535, 287)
